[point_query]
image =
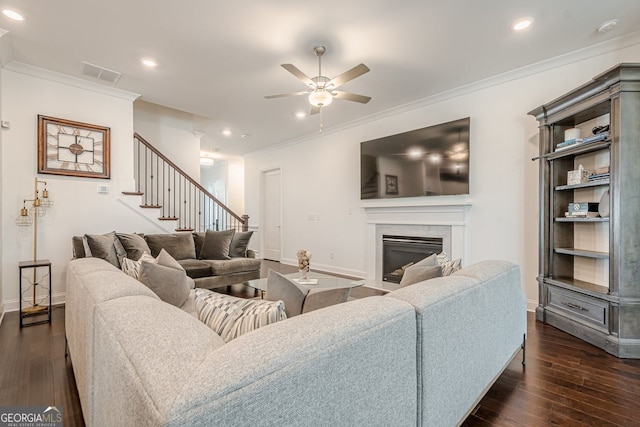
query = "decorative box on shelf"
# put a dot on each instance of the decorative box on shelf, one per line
(579, 176)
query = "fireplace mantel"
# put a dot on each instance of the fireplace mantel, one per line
(443, 217)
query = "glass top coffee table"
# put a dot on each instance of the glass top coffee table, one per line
(323, 281)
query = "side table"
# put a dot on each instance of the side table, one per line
(35, 309)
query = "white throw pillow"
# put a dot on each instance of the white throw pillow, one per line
(448, 267)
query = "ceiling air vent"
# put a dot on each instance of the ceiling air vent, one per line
(98, 72)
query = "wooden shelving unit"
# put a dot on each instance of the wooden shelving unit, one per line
(589, 268)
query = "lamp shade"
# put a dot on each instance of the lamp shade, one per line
(320, 98)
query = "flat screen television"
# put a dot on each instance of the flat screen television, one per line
(432, 161)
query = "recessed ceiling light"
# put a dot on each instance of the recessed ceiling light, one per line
(206, 161)
(225, 132)
(301, 115)
(522, 24)
(12, 14)
(245, 136)
(147, 62)
(608, 25)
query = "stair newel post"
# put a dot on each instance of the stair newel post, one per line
(146, 188)
(138, 161)
(245, 222)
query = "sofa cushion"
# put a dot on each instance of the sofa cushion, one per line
(134, 245)
(239, 244)
(106, 246)
(231, 317)
(415, 274)
(233, 265)
(196, 268)
(216, 244)
(179, 245)
(166, 278)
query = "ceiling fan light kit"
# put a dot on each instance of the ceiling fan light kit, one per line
(322, 90)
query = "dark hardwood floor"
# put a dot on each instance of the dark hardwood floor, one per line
(566, 381)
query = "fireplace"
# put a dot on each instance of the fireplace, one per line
(399, 252)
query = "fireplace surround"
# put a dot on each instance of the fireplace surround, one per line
(446, 219)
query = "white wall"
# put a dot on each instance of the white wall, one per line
(26, 92)
(322, 211)
(170, 131)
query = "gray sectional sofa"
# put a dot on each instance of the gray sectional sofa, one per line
(235, 265)
(423, 355)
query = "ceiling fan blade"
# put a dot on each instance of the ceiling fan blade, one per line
(314, 110)
(282, 95)
(356, 71)
(350, 97)
(298, 74)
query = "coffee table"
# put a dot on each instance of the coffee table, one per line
(324, 281)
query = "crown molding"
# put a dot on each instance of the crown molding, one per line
(516, 74)
(42, 73)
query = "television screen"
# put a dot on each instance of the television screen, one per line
(431, 161)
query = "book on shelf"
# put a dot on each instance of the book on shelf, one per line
(566, 147)
(603, 169)
(569, 142)
(599, 176)
(581, 215)
(597, 137)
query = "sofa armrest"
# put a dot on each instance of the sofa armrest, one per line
(470, 325)
(251, 253)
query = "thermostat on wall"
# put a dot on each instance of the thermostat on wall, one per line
(103, 189)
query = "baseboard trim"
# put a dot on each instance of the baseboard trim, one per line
(1, 312)
(14, 305)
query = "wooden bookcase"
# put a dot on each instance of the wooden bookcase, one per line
(589, 268)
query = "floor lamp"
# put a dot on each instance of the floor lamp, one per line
(28, 217)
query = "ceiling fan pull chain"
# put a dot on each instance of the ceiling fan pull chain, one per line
(321, 118)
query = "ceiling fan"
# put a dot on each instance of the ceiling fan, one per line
(322, 90)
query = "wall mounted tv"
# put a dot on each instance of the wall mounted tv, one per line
(432, 161)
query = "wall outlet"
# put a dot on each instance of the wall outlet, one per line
(330, 255)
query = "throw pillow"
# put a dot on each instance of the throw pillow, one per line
(231, 317)
(166, 278)
(134, 245)
(415, 274)
(239, 244)
(429, 261)
(179, 245)
(450, 267)
(198, 240)
(132, 267)
(106, 246)
(216, 244)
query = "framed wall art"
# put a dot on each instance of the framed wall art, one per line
(72, 148)
(391, 184)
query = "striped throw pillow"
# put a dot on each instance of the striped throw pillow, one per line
(450, 267)
(231, 317)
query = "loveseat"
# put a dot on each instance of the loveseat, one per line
(423, 355)
(225, 261)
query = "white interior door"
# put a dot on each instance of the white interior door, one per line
(271, 214)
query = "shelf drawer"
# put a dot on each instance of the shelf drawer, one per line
(579, 306)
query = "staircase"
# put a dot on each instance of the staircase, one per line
(176, 196)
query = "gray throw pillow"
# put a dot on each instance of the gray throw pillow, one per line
(216, 244)
(239, 244)
(198, 240)
(281, 288)
(106, 246)
(168, 283)
(179, 245)
(415, 274)
(134, 244)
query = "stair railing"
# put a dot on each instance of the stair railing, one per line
(163, 185)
